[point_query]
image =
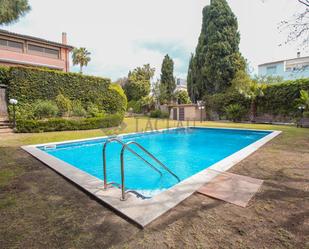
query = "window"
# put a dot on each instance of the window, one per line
(41, 51)
(271, 70)
(12, 45)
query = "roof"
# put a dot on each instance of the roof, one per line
(183, 105)
(273, 62)
(32, 38)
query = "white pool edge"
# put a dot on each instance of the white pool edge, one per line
(141, 211)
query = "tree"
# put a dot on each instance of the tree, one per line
(122, 81)
(217, 57)
(298, 26)
(138, 84)
(81, 57)
(303, 100)
(182, 97)
(192, 84)
(250, 89)
(158, 93)
(167, 77)
(147, 103)
(12, 10)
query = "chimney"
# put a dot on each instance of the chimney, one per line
(298, 54)
(64, 38)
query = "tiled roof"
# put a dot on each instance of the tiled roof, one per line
(32, 38)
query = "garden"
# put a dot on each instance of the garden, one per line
(40, 208)
(55, 101)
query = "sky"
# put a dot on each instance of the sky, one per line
(122, 34)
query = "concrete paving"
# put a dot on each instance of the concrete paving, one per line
(232, 188)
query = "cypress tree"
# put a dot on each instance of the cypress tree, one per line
(167, 77)
(217, 57)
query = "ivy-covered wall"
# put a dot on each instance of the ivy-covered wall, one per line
(30, 84)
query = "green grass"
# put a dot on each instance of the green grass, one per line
(40, 209)
(134, 125)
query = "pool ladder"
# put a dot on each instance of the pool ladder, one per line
(125, 146)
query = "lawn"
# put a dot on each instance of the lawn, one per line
(40, 209)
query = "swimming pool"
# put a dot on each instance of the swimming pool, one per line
(185, 151)
(195, 154)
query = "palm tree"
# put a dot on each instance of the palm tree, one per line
(12, 10)
(250, 89)
(304, 99)
(81, 57)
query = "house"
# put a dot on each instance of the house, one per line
(24, 50)
(187, 112)
(287, 69)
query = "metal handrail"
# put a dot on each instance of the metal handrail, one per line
(122, 143)
(125, 146)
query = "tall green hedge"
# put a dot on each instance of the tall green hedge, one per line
(30, 84)
(279, 99)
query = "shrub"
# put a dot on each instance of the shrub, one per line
(22, 111)
(94, 111)
(135, 105)
(159, 114)
(164, 115)
(234, 112)
(217, 102)
(45, 109)
(77, 109)
(64, 105)
(61, 124)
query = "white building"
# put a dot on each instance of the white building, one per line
(181, 85)
(287, 69)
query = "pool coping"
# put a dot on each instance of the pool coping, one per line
(140, 211)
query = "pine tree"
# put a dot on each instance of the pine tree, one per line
(217, 57)
(167, 77)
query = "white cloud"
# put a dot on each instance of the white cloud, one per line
(124, 34)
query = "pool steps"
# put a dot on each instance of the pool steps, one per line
(125, 146)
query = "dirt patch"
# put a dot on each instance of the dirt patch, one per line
(40, 209)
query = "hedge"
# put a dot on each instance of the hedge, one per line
(4, 75)
(279, 99)
(30, 84)
(115, 99)
(61, 124)
(218, 102)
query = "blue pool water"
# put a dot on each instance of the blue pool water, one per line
(186, 151)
